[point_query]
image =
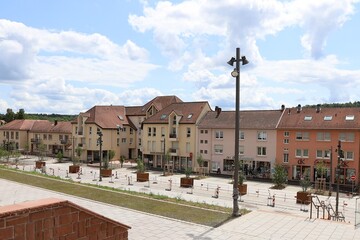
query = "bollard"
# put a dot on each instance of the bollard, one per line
(78, 177)
(170, 185)
(94, 177)
(273, 201)
(116, 176)
(217, 191)
(111, 180)
(67, 174)
(191, 190)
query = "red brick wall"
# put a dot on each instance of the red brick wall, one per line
(59, 222)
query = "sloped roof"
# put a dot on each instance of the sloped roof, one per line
(190, 112)
(326, 118)
(159, 103)
(107, 116)
(257, 119)
(20, 124)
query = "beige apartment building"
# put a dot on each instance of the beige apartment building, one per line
(257, 143)
(118, 133)
(27, 135)
(137, 114)
(172, 131)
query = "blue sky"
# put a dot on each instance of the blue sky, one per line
(67, 56)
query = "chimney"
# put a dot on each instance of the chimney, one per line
(218, 111)
(298, 108)
(55, 123)
(282, 107)
(318, 108)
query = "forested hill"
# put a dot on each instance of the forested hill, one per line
(340, 105)
(50, 117)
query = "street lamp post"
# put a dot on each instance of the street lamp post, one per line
(100, 134)
(340, 154)
(236, 73)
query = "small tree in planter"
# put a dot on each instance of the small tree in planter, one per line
(107, 171)
(304, 196)
(279, 177)
(141, 175)
(122, 160)
(40, 163)
(187, 181)
(75, 159)
(320, 185)
(200, 161)
(242, 187)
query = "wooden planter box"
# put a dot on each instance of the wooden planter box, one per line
(142, 177)
(186, 182)
(242, 189)
(106, 172)
(74, 168)
(303, 198)
(40, 164)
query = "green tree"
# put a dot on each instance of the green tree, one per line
(122, 160)
(59, 156)
(305, 180)
(200, 161)
(20, 114)
(111, 155)
(279, 176)
(10, 115)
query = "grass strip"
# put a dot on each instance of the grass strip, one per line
(184, 211)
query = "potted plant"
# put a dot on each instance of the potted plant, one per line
(59, 156)
(141, 175)
(187, 181)
(304, 196)
(279, 177)
(75, 168)
(200, 161)
(107, 171)
(241, 186)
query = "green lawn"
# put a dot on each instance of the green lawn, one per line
(199, 213)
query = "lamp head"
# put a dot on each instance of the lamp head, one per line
(244, 60)
(235, 73)
(231, 61)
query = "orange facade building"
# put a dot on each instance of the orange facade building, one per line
(308, 139)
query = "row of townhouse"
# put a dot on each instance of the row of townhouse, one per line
(30, 135)
(297, 138)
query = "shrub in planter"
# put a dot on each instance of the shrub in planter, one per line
(74, 168)
(40, 164)
(141, 175)
(187, 181)
(241, 186)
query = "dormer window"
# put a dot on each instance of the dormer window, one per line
(327, 118)
(308, 118)
(163, 116)
(121, 118)
(190, 115)
(349, 117)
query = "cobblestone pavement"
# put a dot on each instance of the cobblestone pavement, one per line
(286, 220)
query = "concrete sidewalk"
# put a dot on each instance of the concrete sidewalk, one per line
(284, 221)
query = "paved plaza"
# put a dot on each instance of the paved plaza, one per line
(285, 220)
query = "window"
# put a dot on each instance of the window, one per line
(131, 141)
(188, 132)
(162, 132)
(201, 141)
(242, 135)
(60, 137)
(261, 151)
(262, 136)
(148, 145)
(218, 149)
(163, 116)
(17, 135)
(241, 150)
(123, 140)
(349, 156)
(154, 132)
(304, 153)
(323, 136)
(90, 130)
(206, 131)
(131, 131)
(50, 137)
(174, 120)
(286, 141)
(118, 141)
(187, 147)
(349, 117)
(205, 151)
(44, 136)
(307, 118)
(201, 151)
(206, 141)
(347, 137)
(149, 131)
(219, 135)
(118, 131)
(201, 131)
(302, 136)
(286, 134)
(327, 118)
(286, 157)
(12, 135)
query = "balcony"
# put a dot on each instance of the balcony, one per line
(173, 137)
(173, 151)
(35, 140)
(64, 141)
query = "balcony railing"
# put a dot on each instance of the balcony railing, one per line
(172, 135)
(64, 141)
(35, 140)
